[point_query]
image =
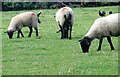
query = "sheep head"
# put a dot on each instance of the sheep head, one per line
(85, 44)
(10, 33)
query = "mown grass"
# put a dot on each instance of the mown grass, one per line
(49, 55)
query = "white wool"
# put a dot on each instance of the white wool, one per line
(23, 19)
(104, 26)
(64, 11)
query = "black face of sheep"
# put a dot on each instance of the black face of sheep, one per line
(102, 13)
(67, 26)
(10, 34)
(85, 44)
(65, 29)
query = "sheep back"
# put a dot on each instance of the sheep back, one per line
(105, 26)
(64, 11)
(23, 20)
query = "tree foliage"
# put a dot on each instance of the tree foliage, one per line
(8, 6)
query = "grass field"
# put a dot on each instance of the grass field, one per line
(0, 44)
(49, 55)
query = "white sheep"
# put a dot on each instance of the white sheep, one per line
(27, 19)
(102, 27)
(65, 19)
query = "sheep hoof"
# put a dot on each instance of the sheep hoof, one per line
(39, 37)
(18, 37)
(113, 48)
(70, 38)
(61, 37)
(98, 49)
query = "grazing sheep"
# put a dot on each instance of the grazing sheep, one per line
(27, 19)
(102, 14)
(102, 27)
(65, 20)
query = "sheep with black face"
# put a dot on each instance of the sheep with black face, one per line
(65, 20)
(27, 19)
(102, 27)
(102, 14)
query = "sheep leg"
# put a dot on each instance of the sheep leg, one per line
(61, 29)
(100, 43)
(30, 31)
(18, 36)
(21, 33)
(110, 42)
(70, 31)
(36, 29)
(70, 34)
(61, 34)
(65, 33)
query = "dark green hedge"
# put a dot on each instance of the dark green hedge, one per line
(8, 6)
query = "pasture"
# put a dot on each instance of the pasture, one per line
(49, 55)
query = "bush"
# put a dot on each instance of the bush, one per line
(7, 6)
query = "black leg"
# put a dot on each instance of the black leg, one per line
(110, 42)
(100, 43)
(61, 29)
(63, 33)
(18, 36)
(67, 33)
(36, 29)
(30, 31)
(21, 33)
(70, 31)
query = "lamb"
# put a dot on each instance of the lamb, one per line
(65, 19)
(27, 19)
(102, 27)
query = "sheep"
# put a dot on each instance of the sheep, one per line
(102, 27)
(65, 19)
(102, 14)
(26, 19)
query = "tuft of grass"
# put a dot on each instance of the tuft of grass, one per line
(49, 55)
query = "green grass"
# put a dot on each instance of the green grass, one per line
(0, 44)
(49, 55)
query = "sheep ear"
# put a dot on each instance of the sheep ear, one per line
(6, 32)
(79, 40)
(39, 14)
